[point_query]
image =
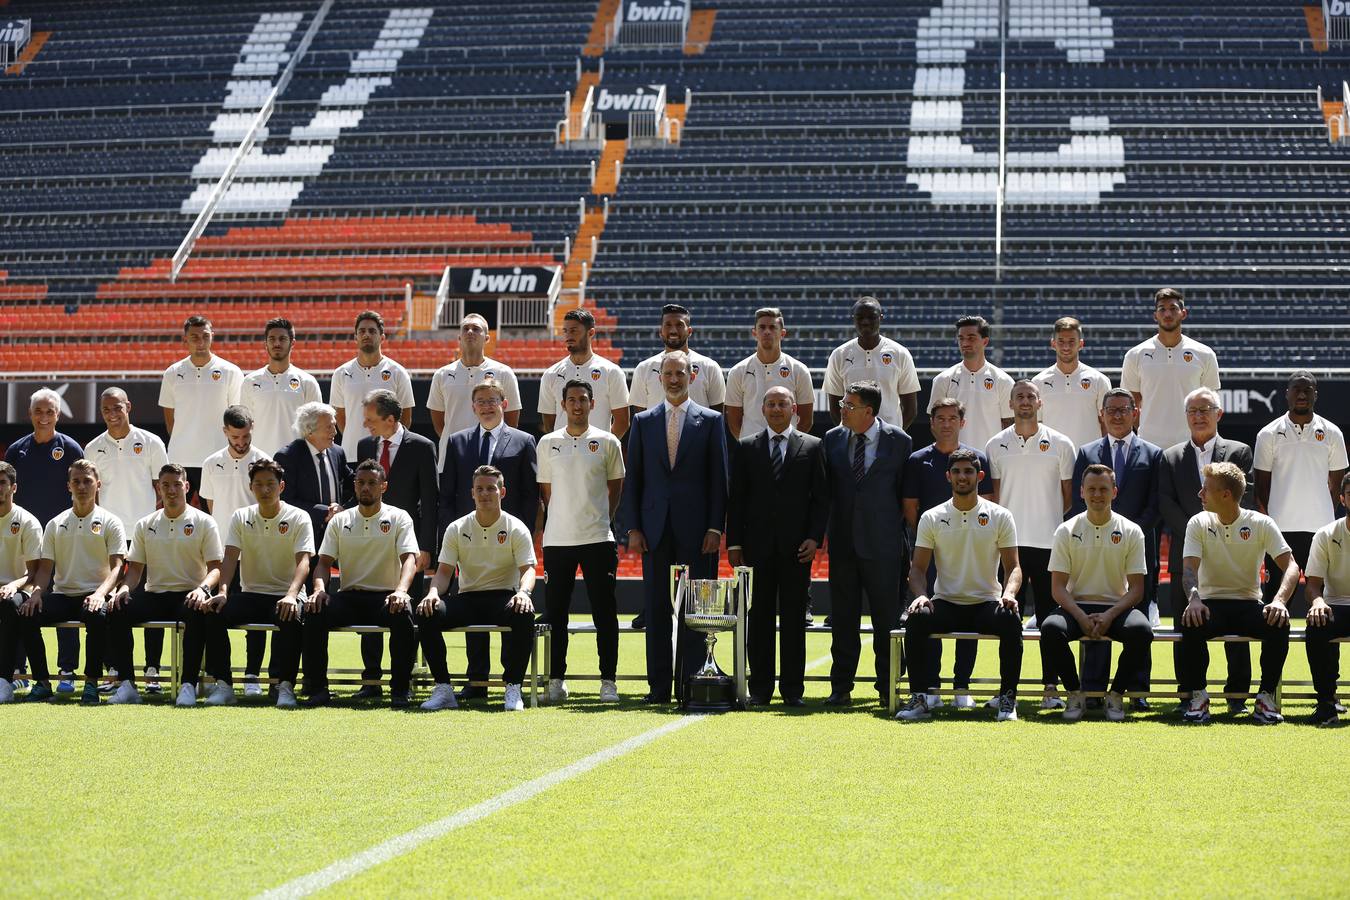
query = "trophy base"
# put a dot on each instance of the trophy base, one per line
(710, 693)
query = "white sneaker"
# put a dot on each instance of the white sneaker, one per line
(222, 695)
(251, 687)
(1265, 712)
(6, 691)
(1115, 707)
(1197, 710)
(933, 701)
(992, 702)
(964, 701)
(442, 697)
(126, 693)
(915, 710)
(187, 695)
(286, 696)
(557, 690)
(1007, 707)
(1050, 701)
(152, 685)
(513, 701)
(1073, 710)
(609, 692)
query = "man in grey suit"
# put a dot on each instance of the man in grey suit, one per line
(1179, 483)
(865, 463)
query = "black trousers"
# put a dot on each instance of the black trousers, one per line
(1035, 563)
(67, 650)
(1324, 656)
(963, 663)
(982, 618)
(1097, 654)
(209, 632)
(1131, 629)
(852, 578)
(142, 606)
(1237, 617)
(599, 564)
(671, 647)
(478, 608)
(372, 645)
(782, 587)
(358, 608)
(25, 631)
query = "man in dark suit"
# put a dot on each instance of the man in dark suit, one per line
(409, 463)
(317, 478)
(775, 522)
(1135, 463)
(865, 461)
(674, 504)
(1179, 498)
(512, 451)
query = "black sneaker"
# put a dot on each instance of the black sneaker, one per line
(369, 692)
(40, 692)
(1007, 707)
(915, 710)
(89, 696)
(1325, 716)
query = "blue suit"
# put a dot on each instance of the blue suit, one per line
(674, 507)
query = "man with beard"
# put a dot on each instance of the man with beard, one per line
(1162, 370)
(274, 393)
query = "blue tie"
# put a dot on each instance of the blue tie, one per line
(484, 448)
(1118, 463)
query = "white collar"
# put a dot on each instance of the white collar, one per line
(787, 433)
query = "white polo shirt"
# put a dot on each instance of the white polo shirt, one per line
(1029, 472)
(966, 547)
(80, 547)
(127, 469)
(198, 397)
(750, 379)
(272, 399)
(367, 550)
(606, 379)
(1163, 376)
(225, 483)
(20, 543)
(707, 387)
(578, 470)
(986, 394)
(889, 364)
(1329, 561)
(347, 392)
(1298, 458)
(267, 547)
(1070, 403)
(1231, 555)
(489, 557)
(175, 551)
(451, 393)
(1098, 558)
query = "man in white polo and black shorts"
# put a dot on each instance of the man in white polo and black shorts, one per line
(1328, 593)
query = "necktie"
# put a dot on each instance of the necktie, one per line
(384, 458)
(672, 434)
(1118, 463)
(859, 461)
(777, 457)
(325, 491)
(485, 448)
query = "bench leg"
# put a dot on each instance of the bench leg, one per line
(534, 673)
(897, 648)
(175, 660)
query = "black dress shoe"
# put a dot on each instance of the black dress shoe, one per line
(839, 698)
(794, 701)
(639, 622)
(466, 694)
(655, 700)
(319, 698)
(829, 623)
(1140, 704)
(369, 692)
(399, 701)
(810, 619)
(757, 700)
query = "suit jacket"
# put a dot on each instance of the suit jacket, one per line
(1179, 489)
(412, 483)
(515, 455)
(767, 515)
(690, 497)
(867, 517)
(302, 482)
(1137, 495)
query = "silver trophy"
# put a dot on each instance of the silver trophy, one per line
(710, 605)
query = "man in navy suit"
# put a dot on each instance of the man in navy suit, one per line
(865, 461)
(674, 504)
(510, 450)
(317, 478)
(1135, 463)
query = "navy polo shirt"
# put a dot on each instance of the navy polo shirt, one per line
(926, 477)
(43, 471)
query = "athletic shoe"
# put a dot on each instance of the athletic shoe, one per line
(187, 695)
(1237, 707)
(126, 693)
(1325, 716)
(1115, 707)
(1339, 707)
(442, 697)
(251, 686)
(992, 702)
(1197, 711)
(964, 701)
(933, 701)
(89, 696)
(152, 685)
(1265, 711)
(66, 684)
(1050, 700)
(513, 701)
(286, 696)
(915, 710)
(609, 692)
(6, 691)
(1073, 710)
(557, 690)
(19, 684)
(399, 700)
(222, 695)
(107, 687)
(1007, 707)
(1140, 704)
(369, 692)
(39, 692)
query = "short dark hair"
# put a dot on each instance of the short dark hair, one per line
(948, 403)
(1301, 375)
(1165, 294)
(282, 323)
(266, 464)
(1068, 323)
(766, 311)
(369, 315)
(578, 383)
(82, 465)
(1118, 392)
(974, 321)
(385, 402)
(1021, 381)
(580, 315)
(370, 465)
(963, 454)
(172, 469)
(237, 416)
(1099, 469)
(490, 472)
(674, 309)
(1345, 479)
(7, 470)
(196, 321)
(865, 301)
(869, 392)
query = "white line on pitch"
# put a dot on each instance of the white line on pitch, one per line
(405, 843)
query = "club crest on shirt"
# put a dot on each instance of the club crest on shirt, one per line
(13, 527)
(1116, 537)
(593, 445)
(489, 374)
(595, 374)
(1085, 383)
(283, 527)
(293, 383)
(58, 452)
(982, 518)
(501, 537)
(138, 448)
(385, 525)
(1188, 356)
(385, 375)
(887, 358)
(1044, 444)
(693, 373)
(1320, 434)
(216, 374)
(1245, 533)
(784, 371)
(96, 527)
(188, 529)
(989, 382)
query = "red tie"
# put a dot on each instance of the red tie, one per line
(384, 458)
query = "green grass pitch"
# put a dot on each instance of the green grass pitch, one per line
(156, 801)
